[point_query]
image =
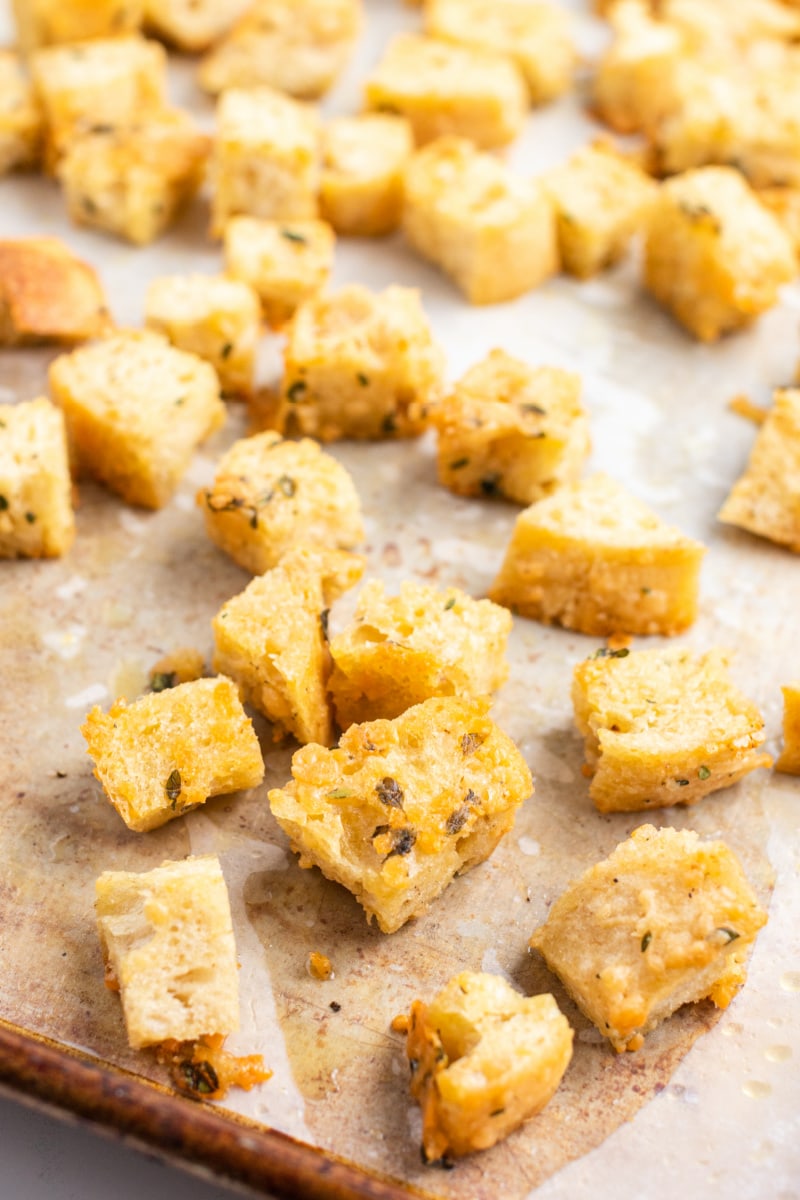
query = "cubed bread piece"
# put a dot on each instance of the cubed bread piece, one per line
(94, 84)
(483, 1059)
(21, 125)
(36, 518)
(136, 410)
(714, 256)
(766, 499)
(272, 640)
(400, 650)
(601, 200)
(47, 294)
(266, 158)
(284, 262)
(134, 179)
(53, 22)
(360, 364)
(635, 81)
(511, 430)
(789, 760)
(536, 34)
(401, 807)
(592, 557)
(492, 232)
(361, 187)
(665, 920)
(270, 495)
(447, 89)
(168, 946)
(170, 751)
(217, 319)
(191, 25)
(296, 46)
(663, 727)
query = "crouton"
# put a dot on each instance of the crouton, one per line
(361, 187)
(47, 294)
(284, 262)
(36, 518)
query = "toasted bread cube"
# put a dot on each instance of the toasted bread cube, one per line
(191, 25)
(266, 158)
(447, 89)
(714, 256)
(401, 807)
(36, 518)
(272, 640)
(483, 1060)
(361, 187)
(217, 319)
(47, 294)
(789, 760)
(665, 920)
(136, 410)
(270, 495)
(537, 35)
(766, 499)
(592, 557)
(400, 650)
(663, 727)
(284, 262)
(511, 430)
(133, 180)
(360, 364)
(601, 200)
(167, 940)
(170, 751)
(296, 46)
(635, 82)
(53, 22)
(21, 124)
(98, 83)
(493, 233)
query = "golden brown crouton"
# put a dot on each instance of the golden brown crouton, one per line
(401, 807)
(47, 294)
(789, 760)
(361, 187)
(284, 262)
(36, 519)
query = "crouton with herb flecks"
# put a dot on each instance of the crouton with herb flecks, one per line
(400, 650)
(170, 751)
(663, 727)
(271, 495)
(592, 557)
(401, 807)
(284, 262)
(36, 518)
(483, 1059)
(136, 411)
(665, 920)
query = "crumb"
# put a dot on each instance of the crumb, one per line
(619, 641)
(319, 966)
(399, 1023)
(335, 1006)
(743, 406)
(205, 1071)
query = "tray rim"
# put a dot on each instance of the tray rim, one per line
(194, 1136)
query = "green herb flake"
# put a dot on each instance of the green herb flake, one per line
(287, 485)
(173, 786)
(30, 517)
(292, 236)
(605, 652)
(226, 351)
(730, 934)
(389, 792)
(703, 772)
(295, 390)
(254, 520)
(3, 503)
(161, 681)
(339, 794)
(459, 463)
(363, 379)
(682, 782)
(536, 409)
(451, 603)
(646, 940)
(646, 591)
(498, 1112)
(180, 401)
(199, 1077)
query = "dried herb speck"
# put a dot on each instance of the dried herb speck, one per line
(30, 517)
(339, 794)
(730, 934)
(3, 504)
(457, 819)
(389, 792)
(287, 485)
(459, 463)
(404, 840)
(451, 603)
(226, 351)
(703, 772)
(605, 652)
(470, 742)
(162, 680)
(682, 782)
(323, 620)
(646, 940)
(363, 379)
(292, 236)
(198, 1077)
(173, 786)
(295, 390)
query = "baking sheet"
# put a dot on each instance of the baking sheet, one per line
(720, 1114)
